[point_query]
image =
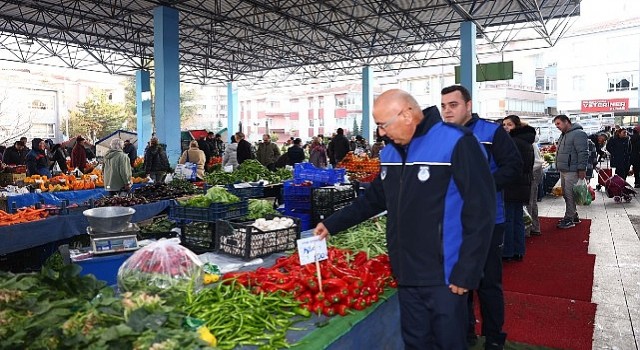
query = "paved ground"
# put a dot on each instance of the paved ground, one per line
(616, 288)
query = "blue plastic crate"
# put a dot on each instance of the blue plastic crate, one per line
(291, 190)
(293, 203)
(104, 268)
(305, 217)
(217, 211)
(304, 172)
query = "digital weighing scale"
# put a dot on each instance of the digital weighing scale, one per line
(113, 242)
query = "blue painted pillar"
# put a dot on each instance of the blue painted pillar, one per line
(367, 103)
(143, 109)
(167, 69)
(468, 59)
(233, 108)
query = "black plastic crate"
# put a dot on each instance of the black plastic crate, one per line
(319, 214)
(330, 197)
(199, 237)
(247, 192)
(242, 239)
(216, 211)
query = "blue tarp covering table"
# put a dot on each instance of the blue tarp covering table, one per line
(55, 198)
(24, 236)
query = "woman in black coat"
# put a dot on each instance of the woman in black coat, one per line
(619, 147)
(58, 157)
(516, 194)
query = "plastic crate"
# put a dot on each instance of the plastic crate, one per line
(319, 214)
(304, 216)
(295, 203)
(247, 192)
(199, 237)
(290, 189)
(307, 172)
(329, 197)
(217, 211)
(243, 240)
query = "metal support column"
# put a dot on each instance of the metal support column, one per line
(468, 58)
(233, 108)
(367, 103)
(143, 109)
(167, 75)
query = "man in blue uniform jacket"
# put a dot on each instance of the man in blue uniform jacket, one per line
(435, 184)
(506, 166)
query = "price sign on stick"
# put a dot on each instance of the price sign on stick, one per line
(312, 249)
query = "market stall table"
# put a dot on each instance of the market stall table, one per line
(56, 228)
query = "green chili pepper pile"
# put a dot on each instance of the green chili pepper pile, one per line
(236, 317)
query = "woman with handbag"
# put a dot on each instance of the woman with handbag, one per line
(196, 156)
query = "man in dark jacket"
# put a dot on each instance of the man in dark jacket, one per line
(572, 156)
(295, 153)
(131, 151)
(434, 184)
(338, 147)
(505, 165)
(204, 147)
(15, 155)
(635, 155)
(244, 148)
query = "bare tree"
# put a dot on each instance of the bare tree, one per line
(12, 127)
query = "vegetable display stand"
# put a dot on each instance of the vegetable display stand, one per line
(199, 237)
(216, 211)
(244, 240)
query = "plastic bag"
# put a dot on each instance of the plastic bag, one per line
(526, 217)
(159, 266)
(557, 189)
(581, 193)
(187, 171)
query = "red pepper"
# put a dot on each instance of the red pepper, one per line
(329, 311)
(360, 304)
(317, 308)
(319, 296)
(393, 283)
(336, 284)
(360, 258)
(342, 309)
(304, 298)
(312, 285)
(349, 301)
(374, 298)
(334, 298)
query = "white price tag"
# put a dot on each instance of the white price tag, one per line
(312, 249)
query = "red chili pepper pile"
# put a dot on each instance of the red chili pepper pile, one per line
(350, 281)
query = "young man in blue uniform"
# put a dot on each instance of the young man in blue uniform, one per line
(434, 184)
(506, 166)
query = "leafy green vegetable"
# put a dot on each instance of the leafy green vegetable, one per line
(260, 208)
(221, 195)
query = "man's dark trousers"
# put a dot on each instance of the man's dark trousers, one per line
(490, 293)
(432, 318)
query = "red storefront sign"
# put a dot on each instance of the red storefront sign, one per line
(610, 105)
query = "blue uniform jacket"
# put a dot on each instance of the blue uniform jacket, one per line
(504, 159)
(440, 195)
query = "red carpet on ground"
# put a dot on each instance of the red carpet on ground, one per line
(556, 264)
(548, 295)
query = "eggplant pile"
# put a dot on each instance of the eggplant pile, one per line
(117, 201)
(160, 191)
